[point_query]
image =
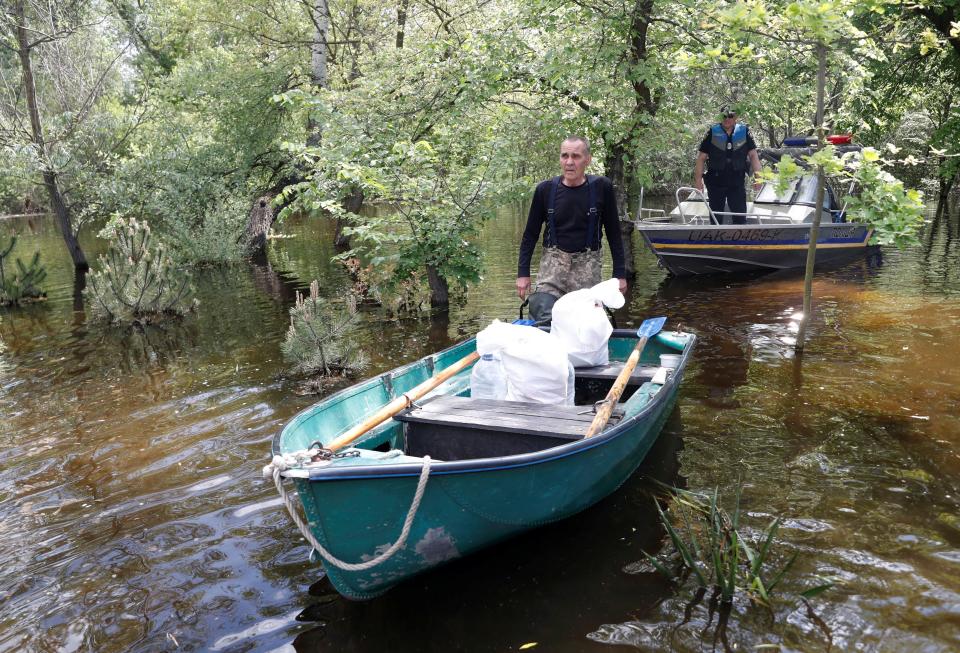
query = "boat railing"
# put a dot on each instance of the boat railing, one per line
(695, 219)
(651, 216)
(647, 215)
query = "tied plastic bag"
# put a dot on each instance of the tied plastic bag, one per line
(533, 361)
(581, 324)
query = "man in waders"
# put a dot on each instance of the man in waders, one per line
(729, 147)
(575, 207)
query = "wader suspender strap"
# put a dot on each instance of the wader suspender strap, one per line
(551, 220)
(593, 235)
(593, 231)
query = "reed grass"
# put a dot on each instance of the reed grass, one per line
(710, 547)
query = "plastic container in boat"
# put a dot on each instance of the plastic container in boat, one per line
(487, 380)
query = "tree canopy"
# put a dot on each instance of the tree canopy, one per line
(408, 121)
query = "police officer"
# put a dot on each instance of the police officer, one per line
(729, 147)
(574, 207)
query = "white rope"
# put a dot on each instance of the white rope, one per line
(279, 465)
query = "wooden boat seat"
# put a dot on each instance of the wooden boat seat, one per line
(609, 372)
(460, 428)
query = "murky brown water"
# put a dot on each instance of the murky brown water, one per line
(133, 516)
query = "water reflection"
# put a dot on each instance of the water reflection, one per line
(134, 517)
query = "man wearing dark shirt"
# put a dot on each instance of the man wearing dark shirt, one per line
(728, 149)
(581, 206)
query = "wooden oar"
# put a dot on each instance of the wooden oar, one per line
(401, 402)
(649, 328)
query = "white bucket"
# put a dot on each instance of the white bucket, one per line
(670, 361)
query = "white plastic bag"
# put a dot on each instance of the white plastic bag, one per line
(533, 361)
(581, 324)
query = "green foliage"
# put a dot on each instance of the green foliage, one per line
(137, 283)
(210, 146)
(880, 200)
(78, 89)
(15, 187)
(24, 283)
(467, 114)
(710, 547)
(378, 285)
(418, 136)
(786, 171)
(320, 339)
(895, 213)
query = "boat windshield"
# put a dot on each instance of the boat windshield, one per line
(768, 193)
(808, 193)
(800, 191)
(808, 190)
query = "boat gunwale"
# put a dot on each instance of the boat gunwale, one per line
(662, 226)
(475, 465)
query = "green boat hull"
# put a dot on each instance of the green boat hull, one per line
(356, 507)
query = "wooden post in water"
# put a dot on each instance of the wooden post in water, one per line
(818, 209)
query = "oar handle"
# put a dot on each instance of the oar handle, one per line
(401, 402)
(613, 396)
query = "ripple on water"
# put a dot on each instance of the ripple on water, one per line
(134, 518)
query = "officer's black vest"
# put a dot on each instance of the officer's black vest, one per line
(727, 151)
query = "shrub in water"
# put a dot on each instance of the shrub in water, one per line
(22, 284)
(137, 283)
(318, 341)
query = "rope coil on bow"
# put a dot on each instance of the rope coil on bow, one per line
(300, 459)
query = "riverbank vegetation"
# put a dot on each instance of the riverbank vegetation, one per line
(723, 561)
(407, 122)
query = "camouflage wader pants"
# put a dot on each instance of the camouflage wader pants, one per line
(562, 272)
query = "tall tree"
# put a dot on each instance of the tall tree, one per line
(420, 130)
(28, 28)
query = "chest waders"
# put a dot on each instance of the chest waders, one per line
(561, 272)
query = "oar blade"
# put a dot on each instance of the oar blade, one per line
(651, 327)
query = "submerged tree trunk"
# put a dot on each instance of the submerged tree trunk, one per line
(57, 203)
(946, 185)
(64, 221)
(351, 203)
(946, 173)
(439, 289)
(258, 226)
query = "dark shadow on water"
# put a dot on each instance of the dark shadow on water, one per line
(275, 284)
(541, 586)
(138, 349)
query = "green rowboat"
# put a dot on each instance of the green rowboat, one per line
(451, 473)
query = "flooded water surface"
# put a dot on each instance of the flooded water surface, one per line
(133, 516)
